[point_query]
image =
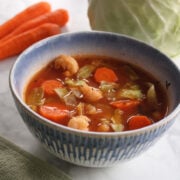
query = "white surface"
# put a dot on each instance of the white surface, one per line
(162, 161)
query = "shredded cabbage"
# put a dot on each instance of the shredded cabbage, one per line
(67, 96)
(156, 22)
(36, 97)
(109, 89)
(85, 71)
(130, 91)
(117, 121)
(74, 83)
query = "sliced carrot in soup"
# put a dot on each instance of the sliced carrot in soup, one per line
(105, 74)
(54, 111)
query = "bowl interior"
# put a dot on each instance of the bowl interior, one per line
(97, 43)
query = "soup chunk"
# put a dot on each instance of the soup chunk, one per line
(95, 93)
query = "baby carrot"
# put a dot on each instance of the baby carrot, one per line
(49, 85)
(138, 121)
(25, 15)
(54, 111)
(59, 17)
(105, 74)
(20, 42)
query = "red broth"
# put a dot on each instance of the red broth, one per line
(95, 93)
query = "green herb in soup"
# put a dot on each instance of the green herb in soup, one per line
(94, 93)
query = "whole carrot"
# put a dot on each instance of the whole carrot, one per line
(25, 15)
(60, 17)
(20, 42)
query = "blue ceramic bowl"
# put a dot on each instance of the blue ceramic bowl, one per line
(94, 149)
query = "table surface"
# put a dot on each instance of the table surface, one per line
(162, 161)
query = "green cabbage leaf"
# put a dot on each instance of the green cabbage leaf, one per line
(156, 22)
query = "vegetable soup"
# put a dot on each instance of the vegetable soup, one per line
(95, 93)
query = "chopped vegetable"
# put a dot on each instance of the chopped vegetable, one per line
(85, 71)
(117, 116)
(138, 121)
(49, 86)
(117, 120)
(117, 127)
(54, 111)
(29, 13)
(152, 96)
(66, 96)
(130, 91)
(74, 83)
(77, 93)
(105, 110)
(22, 41)
(70, 99)
(109, 89)
(36, 97)
(105, 74)
(61, 92)
(125, 104)
(130, 94)
(108, 86)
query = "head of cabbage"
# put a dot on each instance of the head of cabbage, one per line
(156, 22)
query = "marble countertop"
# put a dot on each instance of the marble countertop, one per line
(162, 161)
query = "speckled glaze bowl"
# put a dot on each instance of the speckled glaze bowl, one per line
(93, 149)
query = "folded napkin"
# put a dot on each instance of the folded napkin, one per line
(16, 164)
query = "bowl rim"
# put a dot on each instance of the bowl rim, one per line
(63, 128)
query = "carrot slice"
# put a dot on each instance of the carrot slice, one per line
(138, 121)
(105, 74)
(49, 85)
(125, 104)
(54, 111)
